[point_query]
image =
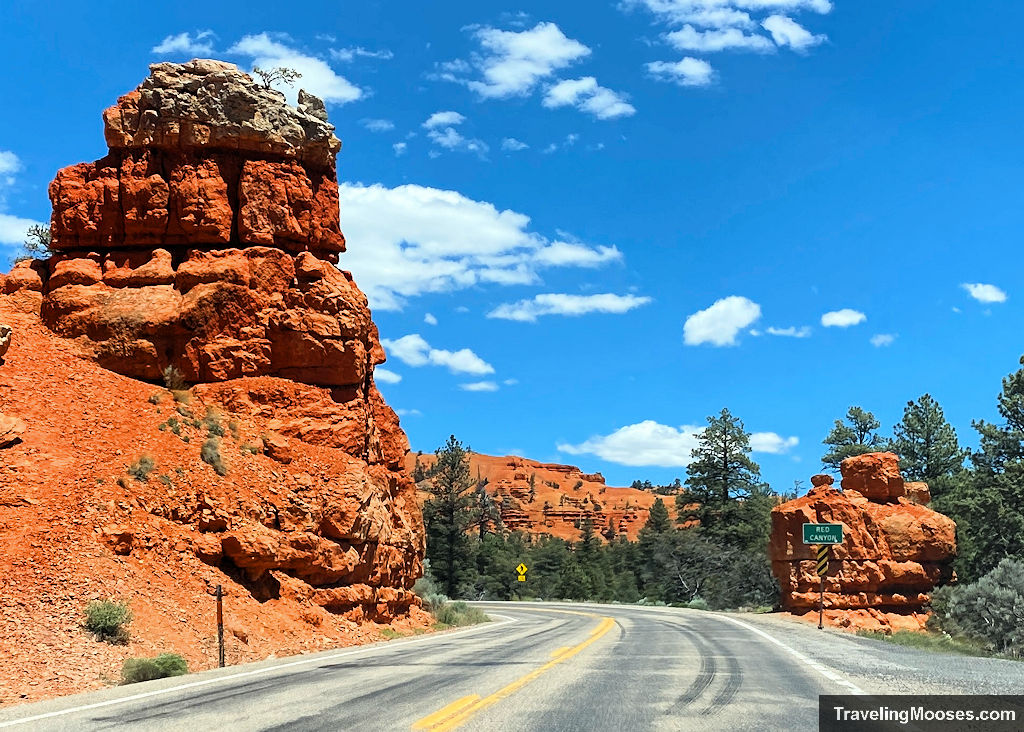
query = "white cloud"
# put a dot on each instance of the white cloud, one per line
(510, 382)
(984, 293)
(9, 163)
(450, 139)
(791, 331)
(350, 54)
(686, 72)
(650, 443)
(843, 318)
(479, 386)
(560, 304)
(882, 339)
(386, 376)
(721, 323)
(413, 350)
(588, 96)
(414, 240)
(646, 443)
(772, 443)
(408, 413)
(429, 319)
(377, 125)
(512, 144)
(399, 148)
(317, 76)
(443, 119)
(14, 228)
(722, 13)
(513, 63)
(184, 43)
(787, 32)
(689, 38)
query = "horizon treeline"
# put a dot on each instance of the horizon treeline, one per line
(715, 552)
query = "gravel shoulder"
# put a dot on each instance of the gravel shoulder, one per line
(886, 668)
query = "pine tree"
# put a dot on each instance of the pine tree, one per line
(926, 443)
(856, 438)
(988, 503)
(657, 517)
(722, 482)
(448, 514)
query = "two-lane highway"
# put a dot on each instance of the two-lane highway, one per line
(535, 667)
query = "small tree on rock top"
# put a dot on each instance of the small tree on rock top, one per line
(268, 77)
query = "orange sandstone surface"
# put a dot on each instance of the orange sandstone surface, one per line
(205, 240)
(895, 549)
(563, 495)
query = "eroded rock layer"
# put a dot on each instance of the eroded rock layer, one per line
(205, 242)
(895, 550)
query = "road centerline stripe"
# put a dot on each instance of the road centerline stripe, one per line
(445, 712)
(451, 722)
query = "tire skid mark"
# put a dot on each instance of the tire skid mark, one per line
(705, 675)
(733, 681)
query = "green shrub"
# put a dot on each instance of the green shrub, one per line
(697, 603)
(108, 619)
(185, 412)
(141, 468)
(166, 480)
(211, 455)
(147, 669)
(174, 380)
(989, 611)
(212, 422)
(234, 427)
(456, 614)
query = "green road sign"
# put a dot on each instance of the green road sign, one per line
(823, 533)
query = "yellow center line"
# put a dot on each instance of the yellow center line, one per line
(559, 651)
(449, 711)
(439, 722)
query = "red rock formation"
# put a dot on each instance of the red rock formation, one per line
(205, 240)
(558, 506)
(894, 550)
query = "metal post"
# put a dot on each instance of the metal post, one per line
(821, 603)
(220, 627)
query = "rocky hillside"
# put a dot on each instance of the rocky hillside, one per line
(201, 247)
(548, 498)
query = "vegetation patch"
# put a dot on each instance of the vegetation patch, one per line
(163, 666)
(108, 620)
(927, 641)
(141, 468)
(211, 455)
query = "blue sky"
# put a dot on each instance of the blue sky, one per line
(584, 227)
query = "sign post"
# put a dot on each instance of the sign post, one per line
(521, 569)
(220, 627)
(824, 536)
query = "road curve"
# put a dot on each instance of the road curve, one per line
(535, 667)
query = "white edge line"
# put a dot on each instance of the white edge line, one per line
(256, 672)
(832, 676)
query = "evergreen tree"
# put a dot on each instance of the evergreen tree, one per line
(722, 481)
(988, 503)
(657, 517)
(448, 515)
(926, 443)
(855, 438)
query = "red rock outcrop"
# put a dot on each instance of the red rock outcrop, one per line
(205, 241)
(560, 498)
(894, 550)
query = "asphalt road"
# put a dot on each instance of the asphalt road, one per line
(540, 667)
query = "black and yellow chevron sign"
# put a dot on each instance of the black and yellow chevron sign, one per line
(823, 556)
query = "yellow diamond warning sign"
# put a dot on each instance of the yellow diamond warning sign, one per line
(521, 569)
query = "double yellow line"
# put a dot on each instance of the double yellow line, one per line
(460, 710)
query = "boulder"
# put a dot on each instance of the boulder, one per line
(11, 430)
(894, 551)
